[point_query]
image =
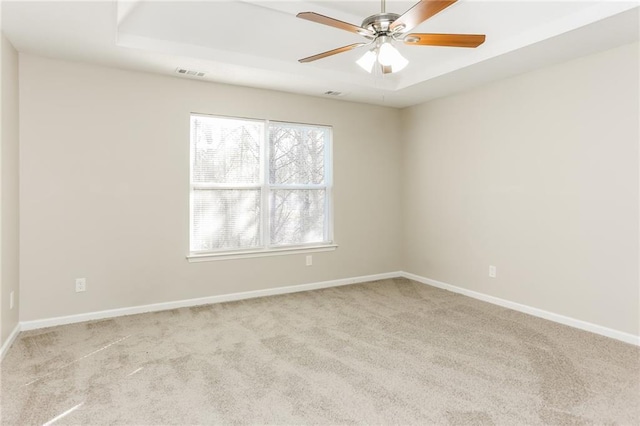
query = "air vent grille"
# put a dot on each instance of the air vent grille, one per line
(192, 73)
(333, 93)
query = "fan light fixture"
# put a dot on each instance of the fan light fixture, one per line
(367, 60)
(385, 54)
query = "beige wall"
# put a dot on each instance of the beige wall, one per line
(9, 190)
(537, 175)
(104, 187)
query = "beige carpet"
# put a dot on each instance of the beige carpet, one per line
(386, 352)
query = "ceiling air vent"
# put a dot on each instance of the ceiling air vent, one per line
(333, 93)
(192, 73)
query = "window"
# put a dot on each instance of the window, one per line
(258, 185)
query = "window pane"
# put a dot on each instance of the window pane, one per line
(297, 216)
(225, 150)
(225, 219)
(296, 154)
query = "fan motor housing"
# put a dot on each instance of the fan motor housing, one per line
(380, 22)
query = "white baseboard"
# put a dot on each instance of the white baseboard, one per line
(89, 316)
(572, 322)
(5, 347)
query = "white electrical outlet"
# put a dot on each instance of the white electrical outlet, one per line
(492, 271)
(309, 260)
(11, 300)
(81, 284)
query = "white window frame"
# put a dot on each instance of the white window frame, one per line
(265, 188)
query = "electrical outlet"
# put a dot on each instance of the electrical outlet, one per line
(11, 302)
(81, 284)
(309, 260)
(492, 271)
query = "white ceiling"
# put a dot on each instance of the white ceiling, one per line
(257, 42)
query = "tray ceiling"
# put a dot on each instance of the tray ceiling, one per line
(258, 43)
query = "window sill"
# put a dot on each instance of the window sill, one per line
(209, 257)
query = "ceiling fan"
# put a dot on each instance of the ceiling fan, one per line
(383, 28)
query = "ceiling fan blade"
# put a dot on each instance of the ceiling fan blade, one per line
(451, 40)
(331, 52)
(325, 20)
(419, 13)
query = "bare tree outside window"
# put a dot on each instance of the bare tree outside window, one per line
(296, 157)
(258, 184)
